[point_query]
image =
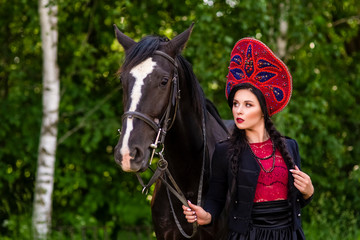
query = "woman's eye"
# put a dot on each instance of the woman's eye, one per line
(164, 81)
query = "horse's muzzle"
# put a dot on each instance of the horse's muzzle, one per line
(134, 161)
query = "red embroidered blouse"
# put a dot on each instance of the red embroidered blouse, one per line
(271, 186)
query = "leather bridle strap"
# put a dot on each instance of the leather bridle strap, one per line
(199, 195)
(145, 118)
(162, 173)
(167, 57)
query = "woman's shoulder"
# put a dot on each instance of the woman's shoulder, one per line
(222, 148)
(292, 146)
(290, 141)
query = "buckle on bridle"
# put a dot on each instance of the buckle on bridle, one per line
(162, 164)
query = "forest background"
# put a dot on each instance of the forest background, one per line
(92, 197)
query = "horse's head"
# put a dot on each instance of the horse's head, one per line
(148, 77)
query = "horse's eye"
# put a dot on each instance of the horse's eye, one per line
(164, 81)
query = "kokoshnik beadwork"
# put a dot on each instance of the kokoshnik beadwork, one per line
(253, 62)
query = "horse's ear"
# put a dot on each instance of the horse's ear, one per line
(177, 44)
(124, 40)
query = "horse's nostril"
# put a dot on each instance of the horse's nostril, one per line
(137, 153)
(117, 155)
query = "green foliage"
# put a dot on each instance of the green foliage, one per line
(90, 190)
(333, 217)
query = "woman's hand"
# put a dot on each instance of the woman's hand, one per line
(196, 214)
(302, 182)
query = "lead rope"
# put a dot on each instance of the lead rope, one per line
(199, 196)
(162, 169)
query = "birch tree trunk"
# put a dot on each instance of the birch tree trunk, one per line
(42, 208)
(283, 29)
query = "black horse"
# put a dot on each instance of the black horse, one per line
(164, 104)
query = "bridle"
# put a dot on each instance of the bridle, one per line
(162, 172)
(165, 122)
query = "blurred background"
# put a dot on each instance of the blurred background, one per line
(92, 198)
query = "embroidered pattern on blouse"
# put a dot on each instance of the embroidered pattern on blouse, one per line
(274, 185)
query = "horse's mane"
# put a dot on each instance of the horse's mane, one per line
(139, 52)
(214, 112)
(196, 93)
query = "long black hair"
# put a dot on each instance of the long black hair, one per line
(238, 141)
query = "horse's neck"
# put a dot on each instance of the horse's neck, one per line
(187, 130)
(184, 141)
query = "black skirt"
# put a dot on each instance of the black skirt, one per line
(270, 221)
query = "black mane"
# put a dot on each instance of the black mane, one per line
(141, 51)
(196, 93)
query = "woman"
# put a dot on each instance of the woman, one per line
(257, 165)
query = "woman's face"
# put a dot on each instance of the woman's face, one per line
(247, 111)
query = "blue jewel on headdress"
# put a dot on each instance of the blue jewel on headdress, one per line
(249, 52)
(264, 76)
(228, 88)
(237, 73)
(236, 59)
(263, 63)
(279, 94)
(249, 63)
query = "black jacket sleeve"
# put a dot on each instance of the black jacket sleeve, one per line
(294, 150)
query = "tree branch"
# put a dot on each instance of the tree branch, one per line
(344, 20)
(91, 112)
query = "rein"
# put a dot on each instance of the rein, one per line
(162, 172)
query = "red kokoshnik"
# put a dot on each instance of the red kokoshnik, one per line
(253, 62)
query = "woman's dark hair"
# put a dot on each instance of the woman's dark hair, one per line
(238, 141)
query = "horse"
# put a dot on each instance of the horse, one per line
(165, 108)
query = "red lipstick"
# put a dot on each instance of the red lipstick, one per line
(239, 120)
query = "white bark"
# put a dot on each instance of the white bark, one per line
(283, 30)
(41, 219)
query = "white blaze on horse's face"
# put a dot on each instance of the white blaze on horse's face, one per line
(139, 72)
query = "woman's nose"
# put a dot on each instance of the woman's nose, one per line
(239, 110)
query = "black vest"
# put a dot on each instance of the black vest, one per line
(239, 217)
